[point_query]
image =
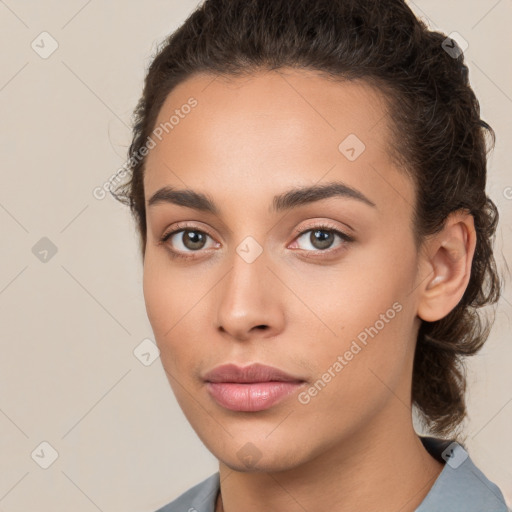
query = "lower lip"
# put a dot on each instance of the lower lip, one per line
(254, 396)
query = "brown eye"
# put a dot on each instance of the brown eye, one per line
(193, 240)
(321, 238)
(184, 242)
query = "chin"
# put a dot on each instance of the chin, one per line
(257, 456)
(264, 465)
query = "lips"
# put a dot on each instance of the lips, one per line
(253, 373)
(251, 388)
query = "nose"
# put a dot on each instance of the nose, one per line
(249, 301)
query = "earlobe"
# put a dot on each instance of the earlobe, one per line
(451, 254)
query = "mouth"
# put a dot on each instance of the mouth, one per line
(251, 388)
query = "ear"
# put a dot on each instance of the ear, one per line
(446, 260)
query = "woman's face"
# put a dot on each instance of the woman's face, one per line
(269, 281)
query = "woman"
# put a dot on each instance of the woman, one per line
(308, 181)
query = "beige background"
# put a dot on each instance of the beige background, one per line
(68, 374)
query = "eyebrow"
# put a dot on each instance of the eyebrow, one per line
(293, 198)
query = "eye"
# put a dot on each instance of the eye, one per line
(184, 241)
(321, 238)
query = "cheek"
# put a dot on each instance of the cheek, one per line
(367, 322)
(166, 291)
(164, 305)
(172, 302)
(355, 379)
(157, 300)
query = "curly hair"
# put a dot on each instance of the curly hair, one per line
(438, 137)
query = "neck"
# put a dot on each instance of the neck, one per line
(376, 469)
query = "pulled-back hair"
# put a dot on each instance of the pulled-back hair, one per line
(438, 137)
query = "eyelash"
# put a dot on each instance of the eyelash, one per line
(299, 232)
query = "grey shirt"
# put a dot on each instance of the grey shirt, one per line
(460, 487)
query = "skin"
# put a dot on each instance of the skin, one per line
(353, 446)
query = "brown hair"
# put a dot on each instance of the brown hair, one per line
(439, 138)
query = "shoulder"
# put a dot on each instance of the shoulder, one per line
(461, 485)
(200, 498)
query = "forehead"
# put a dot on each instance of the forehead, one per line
(304, 101)
(270, 130)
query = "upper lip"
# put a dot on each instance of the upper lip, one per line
(252, 373)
